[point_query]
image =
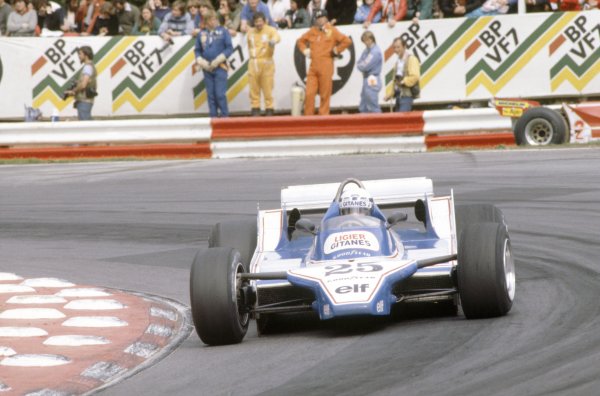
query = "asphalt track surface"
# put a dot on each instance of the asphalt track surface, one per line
(137, 225)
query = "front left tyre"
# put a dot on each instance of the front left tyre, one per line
(219, 307)
(486, 271)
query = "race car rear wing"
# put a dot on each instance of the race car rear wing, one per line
(387, 193)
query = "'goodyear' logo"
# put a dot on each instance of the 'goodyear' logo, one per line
(576, 53)
(506, 54)
(57, 69)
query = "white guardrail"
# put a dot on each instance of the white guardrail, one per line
(467, 120)
(105, 132)
(194, 130)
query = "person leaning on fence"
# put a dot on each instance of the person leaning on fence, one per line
(321, 43)
(128, 15)
(248, 11)
(22, 21)
(146, 24)
(230, 14)
(261, 68)
(297, 17)
(392, 11)
(370, 64)
(107, 23)
(5, 10)
(176, 23)
(86, 88)
(406, 77)
(213, 47)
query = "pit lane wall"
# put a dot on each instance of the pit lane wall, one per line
(537, 55)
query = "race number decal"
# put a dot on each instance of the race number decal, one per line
(350, 240)
(353, 282)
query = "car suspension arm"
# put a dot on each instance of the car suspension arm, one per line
(436, 260)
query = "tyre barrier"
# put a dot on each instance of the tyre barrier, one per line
(256, 136)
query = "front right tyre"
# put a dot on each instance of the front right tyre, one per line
(219, 310)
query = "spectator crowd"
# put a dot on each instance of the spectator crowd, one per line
(125, 17)
(214, 22)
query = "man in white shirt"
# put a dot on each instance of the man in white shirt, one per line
(278, 8)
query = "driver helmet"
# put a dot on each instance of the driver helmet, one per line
(356, 201)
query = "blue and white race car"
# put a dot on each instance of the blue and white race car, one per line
(355, 261)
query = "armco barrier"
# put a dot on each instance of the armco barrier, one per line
(461, 120)
(199, 150)
(105, 132)
(470, 140)
(308, 147)
(256, 136)
(318, 126)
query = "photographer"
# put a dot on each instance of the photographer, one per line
(85, 89)
(406, 81)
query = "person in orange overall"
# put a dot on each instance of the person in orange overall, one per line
(321, 43)
(261, 68)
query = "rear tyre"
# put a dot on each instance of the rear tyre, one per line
(220, 314)
(237, 234)
(476, 213)
(540, 127)
(486, 271)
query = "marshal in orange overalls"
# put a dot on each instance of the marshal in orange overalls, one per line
(321, 42)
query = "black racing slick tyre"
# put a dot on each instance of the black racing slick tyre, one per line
(476, 213)
(219, 311)
(486, 271)
(237, 234)
(540, 127)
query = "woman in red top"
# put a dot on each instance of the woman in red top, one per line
(392, 11)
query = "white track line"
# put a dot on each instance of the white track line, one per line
(35, 360)
(83, 292)
(47, 282)
(7, 276)
(36, 299)
(32, 313)
(22, 332)
(94, 305)
(7, 351)
(95, 321)
(8, 288)
(76, 340)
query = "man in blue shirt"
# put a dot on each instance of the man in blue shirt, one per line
(370, 64)
(247, 14)
(213, 47)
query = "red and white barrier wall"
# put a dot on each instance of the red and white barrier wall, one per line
(256, 136)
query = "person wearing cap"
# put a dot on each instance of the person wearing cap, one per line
(370, 64)
(86, 88)
(213, 47)
(321, 43)
(261, 68)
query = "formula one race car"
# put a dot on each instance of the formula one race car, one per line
(535, 125)
(355, 262)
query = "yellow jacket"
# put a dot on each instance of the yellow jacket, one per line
(411, 72)
(261, 44)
